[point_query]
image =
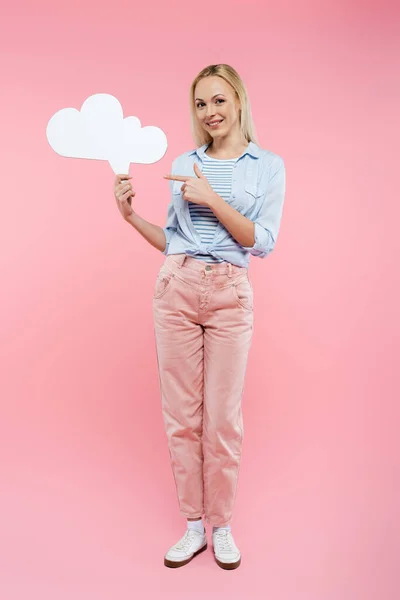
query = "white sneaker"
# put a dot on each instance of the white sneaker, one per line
(227, 554)
(192, 543)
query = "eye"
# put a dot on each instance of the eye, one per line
(200, 104)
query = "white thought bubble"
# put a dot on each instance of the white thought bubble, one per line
(99, 131)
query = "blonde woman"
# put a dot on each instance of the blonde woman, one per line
(226, 204)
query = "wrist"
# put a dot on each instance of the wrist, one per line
(215, 201)
(131, 218)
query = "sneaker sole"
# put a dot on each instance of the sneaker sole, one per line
(228, 566)
(173, 564)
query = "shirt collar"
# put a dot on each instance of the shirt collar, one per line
(251, 149)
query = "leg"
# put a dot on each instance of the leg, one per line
(228, 333)
(179, 343)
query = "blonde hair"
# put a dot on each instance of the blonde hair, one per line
(232, 77)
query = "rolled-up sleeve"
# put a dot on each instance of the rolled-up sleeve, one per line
(172, 220)
(267, 222)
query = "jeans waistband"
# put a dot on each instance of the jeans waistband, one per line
(224, 268)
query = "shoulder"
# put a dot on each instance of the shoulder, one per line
(271, 164)
(270, 159)
(184, 156)
(184, 162)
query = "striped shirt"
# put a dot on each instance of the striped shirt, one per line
(219, 175)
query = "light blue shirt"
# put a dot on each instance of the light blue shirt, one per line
(257, 192)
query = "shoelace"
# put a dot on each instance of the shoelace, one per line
(224, 540)
(187, 539)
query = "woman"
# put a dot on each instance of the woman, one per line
(227, 198)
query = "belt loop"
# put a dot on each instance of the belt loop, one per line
(230, 270)
(182, 261)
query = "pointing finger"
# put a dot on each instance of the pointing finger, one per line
(178, 177)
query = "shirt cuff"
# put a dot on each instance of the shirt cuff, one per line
(262, 245)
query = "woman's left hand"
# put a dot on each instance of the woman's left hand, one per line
(195, 189)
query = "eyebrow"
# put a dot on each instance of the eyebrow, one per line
(211, 98)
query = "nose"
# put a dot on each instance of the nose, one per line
(210, 112)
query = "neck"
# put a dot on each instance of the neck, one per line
(227, 146)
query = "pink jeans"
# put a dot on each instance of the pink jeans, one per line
(203, 320)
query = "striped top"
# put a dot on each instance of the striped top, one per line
(219, 174)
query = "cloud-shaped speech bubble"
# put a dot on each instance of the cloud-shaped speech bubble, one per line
(99, 131)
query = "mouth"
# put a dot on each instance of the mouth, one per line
(214, 124)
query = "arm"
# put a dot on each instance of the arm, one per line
(152, 233)
(239, 226)
(258, 236)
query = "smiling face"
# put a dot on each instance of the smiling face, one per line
(217, 106)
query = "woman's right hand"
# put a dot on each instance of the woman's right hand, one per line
(123, 194)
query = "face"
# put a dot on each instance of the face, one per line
(217, 107)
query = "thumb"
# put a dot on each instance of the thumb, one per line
(198, 172)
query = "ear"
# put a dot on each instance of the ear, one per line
(198, 172)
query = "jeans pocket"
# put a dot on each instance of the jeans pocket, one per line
(163, 282)
(243, 292)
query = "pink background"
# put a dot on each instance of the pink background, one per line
(87, 498)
